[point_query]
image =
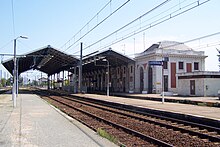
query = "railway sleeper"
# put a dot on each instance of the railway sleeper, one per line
(128, 130)
(212, 133)
(195, 128)
(187, 126)
(217, 143)
(203, 131)
(206, 140)
(174, 123)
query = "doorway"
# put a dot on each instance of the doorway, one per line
(150, 79)
(141, 79)
(192, 87)
(165, 83)
(123, 83)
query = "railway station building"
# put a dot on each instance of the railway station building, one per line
(108, 66)
(199, 83)
(143, 74)
(176, 57)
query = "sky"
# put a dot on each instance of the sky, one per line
(55, 22)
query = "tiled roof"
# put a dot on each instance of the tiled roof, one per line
(173, 45)
(168, 45)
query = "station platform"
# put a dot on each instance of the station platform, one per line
(194, 100)
(34, 122)
(185, 109)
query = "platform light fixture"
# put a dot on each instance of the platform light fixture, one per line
(107, 74)
(15, 73)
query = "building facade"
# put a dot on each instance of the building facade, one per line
(201, 83)
(121, 79)
(176, 57)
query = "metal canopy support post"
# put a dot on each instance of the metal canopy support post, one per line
(63, 80)
(75, 79)
(163, 83)
(14, 77)
(68, 79)
(41, 82)
(54, 81)
(108, 79)
(80, 68)
(48, 81)
(51, 78)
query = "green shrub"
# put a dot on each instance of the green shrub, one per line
(106, 135)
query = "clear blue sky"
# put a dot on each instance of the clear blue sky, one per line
(54, 22)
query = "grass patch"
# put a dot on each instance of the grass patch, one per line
(106, 135)
(201, 104)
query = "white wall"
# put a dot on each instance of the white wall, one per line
(203, 86)
(131, 75)
(213, 85)
(183, 87)
(176, 56)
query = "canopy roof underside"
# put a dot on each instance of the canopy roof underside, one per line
(47, 60)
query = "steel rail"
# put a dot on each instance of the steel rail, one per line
(180, 121)
(128, 130)
(162, 124)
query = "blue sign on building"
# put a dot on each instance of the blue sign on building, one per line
(166, 59)
(156, 63)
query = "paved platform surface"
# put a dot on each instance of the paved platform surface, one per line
(36, 123)
(205, 101)
(202, 99)
(195, 110)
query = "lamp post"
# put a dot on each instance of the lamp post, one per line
(162, 81)
(107, 76)
(15, 73)
(17, 77)
(162, 77)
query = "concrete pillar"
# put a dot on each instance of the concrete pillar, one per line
(63, 79)
(145, 81)
(51, 81)
(137, 79)
(68, 76)
(98, 80)
(101, 80)
(75, 84)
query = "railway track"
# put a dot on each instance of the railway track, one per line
(4, 90)
(142, 129)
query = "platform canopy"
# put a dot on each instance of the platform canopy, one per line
(48, 60)
(98, 60)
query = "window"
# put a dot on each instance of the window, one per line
(196, 65)
(124, 70)
(131, 79)
(131, 69)
(164, 64)
(181, 65)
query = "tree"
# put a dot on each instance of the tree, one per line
(9, 81)
(20, 80)
(34, 83)
(3, 82)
